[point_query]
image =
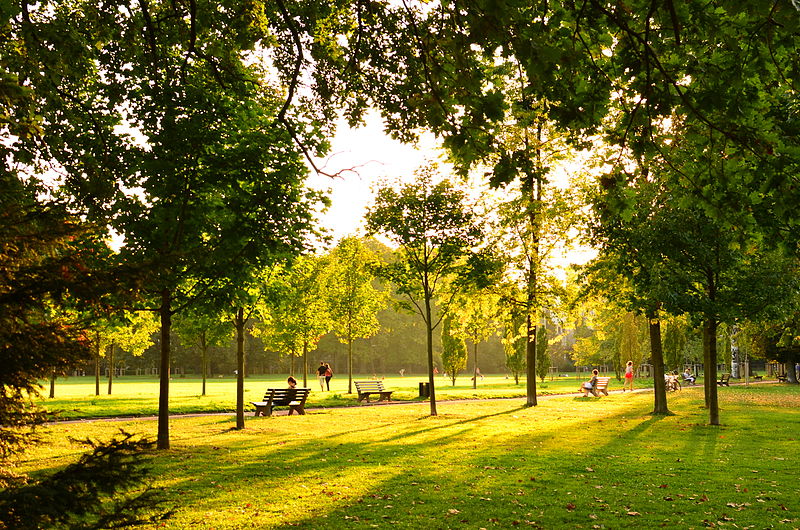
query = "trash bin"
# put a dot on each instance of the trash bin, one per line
(424, 389)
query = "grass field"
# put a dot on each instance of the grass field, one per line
(570, 462)
(134, 396)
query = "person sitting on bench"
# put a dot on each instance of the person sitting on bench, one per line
(589, 385)
(688, 377)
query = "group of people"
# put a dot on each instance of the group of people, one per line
(591, 384)
(671, 379)
(323, 371)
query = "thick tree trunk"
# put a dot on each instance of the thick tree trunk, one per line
(239, 322)
(163, 396)
(657, 355)
(791, 373)
(111, 367)
(710, 354)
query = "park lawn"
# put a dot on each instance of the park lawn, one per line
(134, 396)
(571, 462)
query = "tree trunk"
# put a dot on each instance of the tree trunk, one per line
(535, 184)
(350, 365)
(163, 396)
(791, 373)
(239, 323)
(475, 360)
(429, 336)
(657, 354)
(710, 355)
(111, 366)
(735, 373)
(53, 385)
(305, 363)
(97, 364)
(204, 359)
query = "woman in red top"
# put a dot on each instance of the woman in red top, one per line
(628, 383)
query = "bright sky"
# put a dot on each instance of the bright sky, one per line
(373, 157)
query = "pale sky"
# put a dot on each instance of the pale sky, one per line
(373, 156)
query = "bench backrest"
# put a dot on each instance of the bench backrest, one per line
(369, 386)
(724, 377)
(602, 382)
(284, 396)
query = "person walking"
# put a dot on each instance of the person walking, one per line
(321, 375)
(328, 375)
(628, 383)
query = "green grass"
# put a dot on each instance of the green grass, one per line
(138, 396)
(570, 462)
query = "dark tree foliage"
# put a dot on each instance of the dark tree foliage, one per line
(101, 490)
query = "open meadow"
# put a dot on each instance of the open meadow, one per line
(571, 462)
(137, 395)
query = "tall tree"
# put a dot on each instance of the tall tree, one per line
(353, 302)
(435, 234)
(297, 306)
(202, 329)
(454, 350)
(476, 312)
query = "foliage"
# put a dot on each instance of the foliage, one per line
(454, 350)
(515, 345)
(543, 361)
(353, 302)
(436, 234)
(297, 308)
(101, 490)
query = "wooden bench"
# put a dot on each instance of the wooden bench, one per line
(782, 378)
(601, 385)
(367, 388)
(757, 377)
(294, 398)
(724, 380)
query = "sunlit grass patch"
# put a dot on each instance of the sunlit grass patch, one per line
(481, 464)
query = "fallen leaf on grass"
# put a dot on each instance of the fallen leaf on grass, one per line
(570, 506)
(633, 513)
(453, 511)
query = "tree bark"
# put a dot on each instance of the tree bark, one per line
(305, 363)
(239, 322)
(97, 364)
(163, 397)
(111, 367)
(710, 354)
(53, 385)
(204, 359)
(657, 354)
(429, 333)
(735, 372)
(350, 366)
(475, 360)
